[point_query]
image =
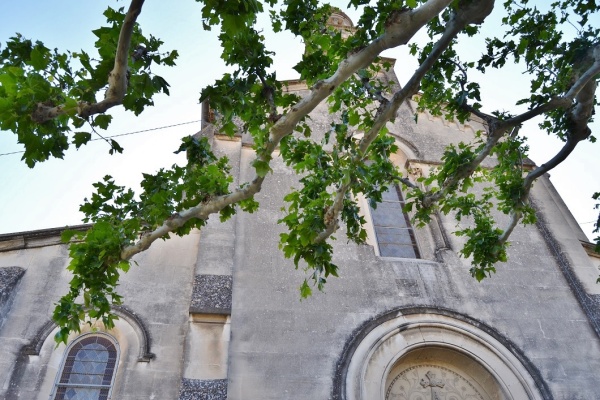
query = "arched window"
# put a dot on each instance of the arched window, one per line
(424, 353)
(393, 231)
(88, 369)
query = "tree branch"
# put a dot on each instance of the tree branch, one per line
(489, 119)
(375, 94)
(474, 13)
(558, 102)
(517, 214)
(588, 75)
(117, 79)
(583, 91)
(201, 211)
(398, 32)
(269, 94)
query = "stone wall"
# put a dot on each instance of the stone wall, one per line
(218, 315)
(282, 347)
(150, 333)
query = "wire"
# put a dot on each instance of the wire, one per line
(14, 152)
(120, 134)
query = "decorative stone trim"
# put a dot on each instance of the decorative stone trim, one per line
(38, 238)
(197, 389)
(364, 366)
(590, 249)
(211, 294)
(590, 303)
(461, 388)
(145, 355)
(34, 347)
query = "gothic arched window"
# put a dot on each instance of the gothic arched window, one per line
(88, 369)
(393, 231)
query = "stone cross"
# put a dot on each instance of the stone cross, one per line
(433, 384)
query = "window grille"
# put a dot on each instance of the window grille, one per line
(88, 370)
(394, 233)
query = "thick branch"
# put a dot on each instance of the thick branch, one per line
(398, 32)
(558, 102)
(517, 214)
(497, 129)
(489, 119)
(587, 76)
(117, 79)
(579, 116)
(583, 91)
(332, 214)
(201, 211)
(472, 14)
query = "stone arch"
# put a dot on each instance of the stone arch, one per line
(407, 150)
(425, 341)
(407, 147)
(40, 360)
(134, 321)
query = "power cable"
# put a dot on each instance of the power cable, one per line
(120, 134)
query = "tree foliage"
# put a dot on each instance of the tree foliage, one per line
(52, 99)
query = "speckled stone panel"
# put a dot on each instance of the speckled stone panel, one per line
(196, 389)
(211, 294)
(9, 277)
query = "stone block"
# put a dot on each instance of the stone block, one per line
(211, 294)
(196, 389)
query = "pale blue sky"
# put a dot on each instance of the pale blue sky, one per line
(49, 195)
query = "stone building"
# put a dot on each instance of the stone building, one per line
(217, 314)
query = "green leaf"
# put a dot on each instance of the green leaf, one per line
(262, 168)
(81, 138)
(61, 336)
(353, 118)
(38, 60)
(102, 121)
(115, 147)
(8, 83)
(5, 105)
(68, 234)
(305, 290)
(124, 265)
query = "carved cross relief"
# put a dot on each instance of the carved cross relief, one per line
(431, 382)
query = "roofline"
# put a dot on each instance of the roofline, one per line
(590, 248)
(36, 238)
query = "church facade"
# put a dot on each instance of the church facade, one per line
(217, 314)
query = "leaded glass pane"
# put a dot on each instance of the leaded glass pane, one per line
(392, 227)
(386, 235)
(88, 370)
(73, 393)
